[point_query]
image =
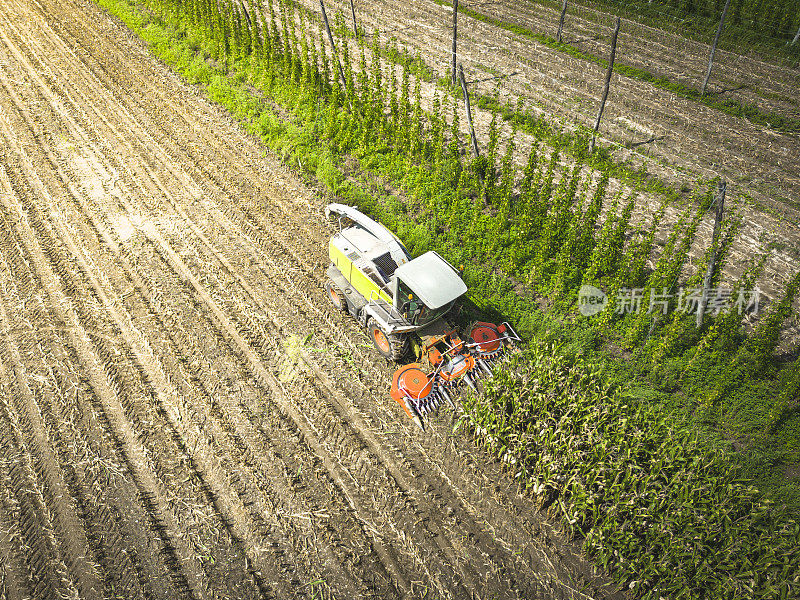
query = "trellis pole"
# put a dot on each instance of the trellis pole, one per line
(454, 75)
(714, 47)
(333, 44)
(607, 84)
(561, 21)
(714, 237)
(355, 25)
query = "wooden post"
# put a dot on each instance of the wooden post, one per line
(455, 23)
(333, 44)
(714, 237)
(246, 14)
(561, 21)
(608, 82)
(714, 47)
(469, 112)
(355, 25)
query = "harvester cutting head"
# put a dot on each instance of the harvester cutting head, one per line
(446, 362)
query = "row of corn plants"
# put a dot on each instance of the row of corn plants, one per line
(650, 502)
(521, 235)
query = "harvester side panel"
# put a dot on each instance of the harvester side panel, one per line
(363, 284)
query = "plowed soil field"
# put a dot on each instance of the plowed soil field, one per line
(182, 414)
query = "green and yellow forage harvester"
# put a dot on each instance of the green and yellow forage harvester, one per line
(403, 303)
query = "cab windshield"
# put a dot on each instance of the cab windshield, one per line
(413, 309)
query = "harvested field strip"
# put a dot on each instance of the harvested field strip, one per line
(71, 535)
(156, 378)
(189, 377)
(28, 516)
(108, 396)
(670, 53)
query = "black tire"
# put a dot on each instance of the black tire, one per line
(336, 296)
(393, 347)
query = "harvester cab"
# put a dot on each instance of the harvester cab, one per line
(399, 300)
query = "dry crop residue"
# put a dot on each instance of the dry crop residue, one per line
(181, 413)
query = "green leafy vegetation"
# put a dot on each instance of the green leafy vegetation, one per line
(666, 515)
(528, 241)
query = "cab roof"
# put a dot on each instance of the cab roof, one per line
(432, 279)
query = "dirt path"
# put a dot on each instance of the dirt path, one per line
(181, 413)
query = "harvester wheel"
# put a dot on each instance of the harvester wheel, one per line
(393, 347)
(336, 295)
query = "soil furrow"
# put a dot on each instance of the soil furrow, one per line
(231, 510)
(18, 577)
(94, 368)
(25, 501)
(69, 529)
(12, 583)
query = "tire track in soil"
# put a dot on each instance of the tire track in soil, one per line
(13, 582)
(72, 541)
(24, 564)
(175, 259)
(49, 375)
(95, 369)
(156, 375)
(26, 509)
(145, 358)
